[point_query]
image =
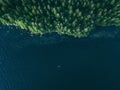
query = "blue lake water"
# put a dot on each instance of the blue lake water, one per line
(76, 64)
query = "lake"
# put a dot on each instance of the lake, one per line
(75, 64)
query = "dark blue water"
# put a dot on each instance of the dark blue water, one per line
(75, 64)
(87, 65)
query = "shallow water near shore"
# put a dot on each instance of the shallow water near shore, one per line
(58, 62)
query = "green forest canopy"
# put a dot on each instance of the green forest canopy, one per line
(71, 17)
